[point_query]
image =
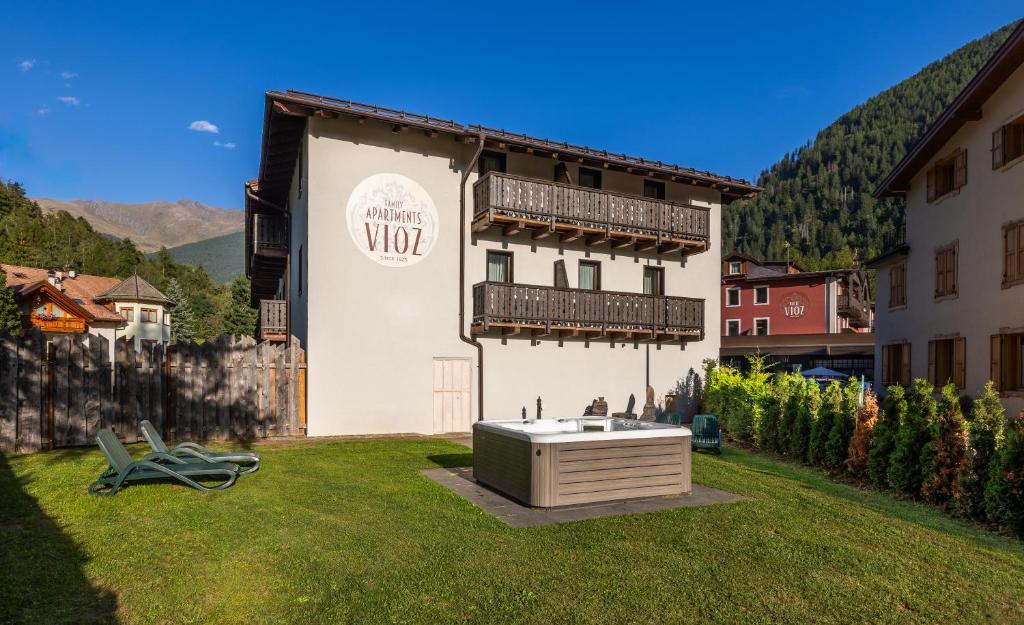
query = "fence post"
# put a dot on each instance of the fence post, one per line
(95, 384)
(30, 386)
(76, 390)
(8, 393)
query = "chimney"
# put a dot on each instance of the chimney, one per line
(51, 277)
(72, 272)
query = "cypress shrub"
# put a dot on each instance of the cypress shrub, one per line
(857, 457)
(941, 460)
(892, 415)
(845, 421)
(913, 436)
(831, 402)
(777, 419)
(805, 405)
(983, 433)
(1004, 493)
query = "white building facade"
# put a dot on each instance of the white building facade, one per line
(950, 297)
(579, 274)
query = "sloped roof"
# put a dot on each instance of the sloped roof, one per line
(83, 289)
(134, 289)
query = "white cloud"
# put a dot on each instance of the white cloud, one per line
(43, 110)
(27, 64)
(227, 146)
(68, 75)
(203, 126)
(68, 99)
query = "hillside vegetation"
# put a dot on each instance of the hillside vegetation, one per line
(222, 257)
(818, 198)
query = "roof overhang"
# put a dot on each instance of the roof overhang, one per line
(847, 344)
(965, 107)
(55, 295)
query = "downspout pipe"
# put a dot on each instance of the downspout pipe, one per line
(463, 225)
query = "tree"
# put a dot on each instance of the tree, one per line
(182, 323)
(941, 460)
(860, 444)
(984, 431)
(914, 434)
(845, 422)
(804, 407)
(240, 318)
(1004, 493)
(10, 316)
(831, 402)
(894, 412)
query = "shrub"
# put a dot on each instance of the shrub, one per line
(913, 436)
(893, 413)
(941, 460)
(831, 402)
(983, 433)
(861, 443)
(775, 420)
(738, 401)
(845, 420)
(689, 394)
(804, 405)
(1004, 493)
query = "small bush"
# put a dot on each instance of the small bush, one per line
(805, 406)
(914, 435)
(831, 404)
(1004, 493)
(892, 415)
(738, 401)
(984, 431)
(857, 457)
(940, 461)
(838, 442)
(774, 421)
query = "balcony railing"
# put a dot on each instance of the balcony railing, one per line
(546, 309)
(273, 320)
(69, 325)
(855, 309)
(595, 214)
(270, 235)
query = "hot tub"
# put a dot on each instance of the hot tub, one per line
(558, 462)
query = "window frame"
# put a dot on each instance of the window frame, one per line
(148, 315)
(596, 173)
(739, 267)
(1010, 134)
(767, 295)
(899, 269)
(896, 364)
(481, 165)
(947, 361)
(656, 186)
(942, 260)
(1013, 231)
(586, 262)
(739, 296)
(659, 282)
(739, 327)
(509, 261)
(946, 176)
(130, 317)
(1007, 368)
(767, 326)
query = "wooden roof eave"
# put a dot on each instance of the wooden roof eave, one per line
(65, 302)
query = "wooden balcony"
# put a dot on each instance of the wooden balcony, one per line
(855, 309)
(593, 216)
(270, 236)
(60, 325)
(273, 320)
(545, 310)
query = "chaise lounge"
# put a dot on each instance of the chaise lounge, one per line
(195, 451)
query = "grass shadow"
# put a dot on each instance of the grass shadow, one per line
(42, 577)
(450, 461)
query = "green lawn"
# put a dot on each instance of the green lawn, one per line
(350, 532)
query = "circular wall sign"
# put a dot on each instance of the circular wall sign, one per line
(794, 306)
(392, 220)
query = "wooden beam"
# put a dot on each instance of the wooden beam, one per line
(510, 330)
(296, 110)
(513, 228)
(595, 239)
(643, 246)
(541, 332)
(541, 233)
(624, 242)
(570, 236)
(568, 333)
(671, 246)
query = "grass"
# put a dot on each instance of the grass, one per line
(350, 532)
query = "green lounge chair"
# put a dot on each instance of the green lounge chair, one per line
(192, 451)
(670, 418)
(123, 470)
(706, 434)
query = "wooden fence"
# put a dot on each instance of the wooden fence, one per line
(59, 392)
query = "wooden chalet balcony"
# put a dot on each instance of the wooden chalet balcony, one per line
(596, 216)
(273, 320)
(270, 236)
(855, 309)
(545, 310)
(63, 325)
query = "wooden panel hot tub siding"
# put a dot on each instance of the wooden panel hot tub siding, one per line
(503, 463)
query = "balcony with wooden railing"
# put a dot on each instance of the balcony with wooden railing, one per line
(273, 320)
(543, 310)
(270, 236)
(61, 325)
(857, 310)
(593, 216)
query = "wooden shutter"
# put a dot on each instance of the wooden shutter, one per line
(905, 365)
(940, 273)
(931, 363)
(952, 279)
(960, 362)
(960, 169)
(995, 371)
(997, 147)
(886, 377)
(1020, 250)
(1010, 242)
(931, 184)
(561, 278)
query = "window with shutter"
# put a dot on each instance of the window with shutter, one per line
(960, 167)
(995, 367)
(960, 362)
(946, 270)
(896, 364)
(947, 175)
(1008, 362)
(1008, 143)
(931, 185)
(997, 148)
(905, 364)
(1013, 254)
(898, 286)
(946, 362)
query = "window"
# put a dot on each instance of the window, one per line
(732, 327)
(735, 267)
(732, 296)
(148, 315)
(946, 362)
(1008, 143)
(760, 295)
(128, 313)
(561, 277)
(491, 161)
(947, 176)
(654, 189)
(945, 270)
(896, 364)
(898, 285)
(654, 281)
(499, 266)
(590, 275)
(1008, 362)
(167, 318)
(761, 326)
(590, 178)
(1013, 254)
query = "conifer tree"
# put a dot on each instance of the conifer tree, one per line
(10, 316)
(805, 406)
(240, 318)
(838, 443)
(182, 321)
(831, 401)
(861, 442)
(1004, 493)
(984, 431)
(940, 461)
(914, 434)
(893, 413)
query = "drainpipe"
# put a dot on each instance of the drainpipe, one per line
(462, 278)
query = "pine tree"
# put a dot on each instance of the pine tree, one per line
(984, 430)
(861, 442)
(831, 401)
(893, 414)
(1004, 493)
(805, 406)
(838, 444)
(914, 435)
(10, 316)
(941, 460)
(182, 321)
(240, 319)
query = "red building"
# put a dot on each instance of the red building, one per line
(763, 299)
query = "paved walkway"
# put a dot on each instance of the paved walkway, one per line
(460, 481)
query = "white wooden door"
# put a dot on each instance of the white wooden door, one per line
(453, 411)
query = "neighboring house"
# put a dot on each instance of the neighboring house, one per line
(414, 257)
(67, 302)
(951, 294)
(797, 318)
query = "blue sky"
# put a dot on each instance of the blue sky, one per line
(99, 98)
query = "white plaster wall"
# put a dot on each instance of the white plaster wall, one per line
(158, 331)
(974, 217)
(371, 332)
